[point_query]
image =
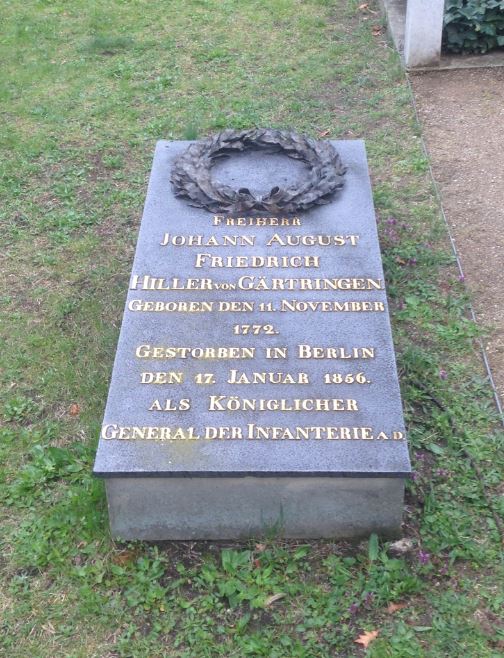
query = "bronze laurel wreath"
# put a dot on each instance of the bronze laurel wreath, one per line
(191, 173)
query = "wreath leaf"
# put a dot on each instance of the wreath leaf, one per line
(191, 173)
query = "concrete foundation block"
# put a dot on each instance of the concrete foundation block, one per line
(238, 508)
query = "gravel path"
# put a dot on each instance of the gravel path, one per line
(462, 113)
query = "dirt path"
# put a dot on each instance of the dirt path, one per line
(462, 113)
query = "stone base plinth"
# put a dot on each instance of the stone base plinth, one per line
(154, 508)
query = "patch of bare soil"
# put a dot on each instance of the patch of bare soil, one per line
(462, 114)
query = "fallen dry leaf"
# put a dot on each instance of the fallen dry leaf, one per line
(260, 547)
(366, 638)
(401, 547)
(324, 133)
(124, 557)
(363, 7)
(377, 30)
(74, 409)
(393, 607)
(274, 597)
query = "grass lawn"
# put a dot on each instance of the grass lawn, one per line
(86, 89)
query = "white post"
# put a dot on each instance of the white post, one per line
(423, 30)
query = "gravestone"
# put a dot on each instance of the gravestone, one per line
(254, 387)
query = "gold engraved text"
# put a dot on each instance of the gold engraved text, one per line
(301, 306)
(235, 403)
(251, 432)
(169, 307)
(310, 352)
(262, 283)
(170, 405)
(278, 240)
(211, 241)
(237, 377)
(219, 220)
(147, 433)
(208, 260)
(154, 352)
(162, 378)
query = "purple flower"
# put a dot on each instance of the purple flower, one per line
(423, 557)
(353, 609)
(461, 278)
(412, 261)
(391, 220)
(441, 472)
(368, 599)
(415, 476)
(391, 235)
(443, 374)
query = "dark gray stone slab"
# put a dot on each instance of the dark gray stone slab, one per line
(355, 438)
